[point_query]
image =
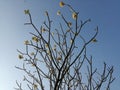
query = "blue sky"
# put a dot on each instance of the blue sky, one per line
(104, 14)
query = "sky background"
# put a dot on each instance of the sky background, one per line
(104, 13)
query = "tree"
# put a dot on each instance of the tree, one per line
(53, 57)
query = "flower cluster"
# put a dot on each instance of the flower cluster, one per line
(35, 39)
(74, 14)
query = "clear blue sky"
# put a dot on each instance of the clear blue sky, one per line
(104, 13)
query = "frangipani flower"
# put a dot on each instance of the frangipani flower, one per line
(54, 48)
(20, 56)
(64, 43)
(32, 53)
(48, 52)
(94, 40)
(26, 42)
(71, 41)
(59, 52)
(46, 13)
(33, 65)
(24, 78)
(35, 39)
(52, 71)
(74, 15)
(61, 4)
(76, 33)
(35, 86)
(68, 30)
(69, 24)
(26, 11)
(43, 30)
(36, 59)
(59, 58)
(58, 12)
(46, 45)
(52, 33)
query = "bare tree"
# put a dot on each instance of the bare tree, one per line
(54, 60)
